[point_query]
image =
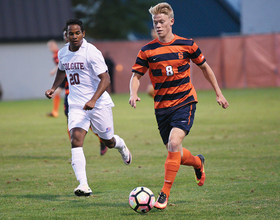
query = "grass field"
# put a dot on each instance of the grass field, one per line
(241, 146)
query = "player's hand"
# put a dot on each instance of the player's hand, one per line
(89, 105)
(222, 101)
(49, 93)
(133, 99)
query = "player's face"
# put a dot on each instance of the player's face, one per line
(163, 25)
(75, 36)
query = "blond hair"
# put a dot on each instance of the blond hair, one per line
(162, 8)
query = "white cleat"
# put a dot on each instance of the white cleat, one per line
(83, 190)
(126, 155)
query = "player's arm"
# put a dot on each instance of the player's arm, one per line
(54, 70)
(102, 86)
(210, 76)
(134, 86)
(60, 76)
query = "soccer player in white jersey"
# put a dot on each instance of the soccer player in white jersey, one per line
(89, 103)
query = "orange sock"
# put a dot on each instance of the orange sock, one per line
(189, 160)
(172, 165)
(56, 103)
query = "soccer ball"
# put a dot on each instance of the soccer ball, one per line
(141, 199)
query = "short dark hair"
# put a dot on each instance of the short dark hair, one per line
(74, 21)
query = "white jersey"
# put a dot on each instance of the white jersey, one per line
(82, 69)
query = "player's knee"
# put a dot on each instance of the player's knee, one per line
(76, 143)
(77, 137)
(173, 145)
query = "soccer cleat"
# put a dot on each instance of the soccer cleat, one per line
(161, 202)
(199, 173)
(83, 190)
(103, 148)
(126, 155)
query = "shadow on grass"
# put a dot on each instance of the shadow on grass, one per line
(119, 209)
(72, 200)
(46, 197)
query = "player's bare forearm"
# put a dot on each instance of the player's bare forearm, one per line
(60, 76)
(102, 86)
(134, 86)
(211, 78)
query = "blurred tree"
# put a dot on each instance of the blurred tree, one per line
(114, 19)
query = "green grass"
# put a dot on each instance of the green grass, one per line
(241, 145)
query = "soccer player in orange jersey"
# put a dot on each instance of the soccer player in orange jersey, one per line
(168, 60)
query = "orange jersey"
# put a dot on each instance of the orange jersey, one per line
(169, 71)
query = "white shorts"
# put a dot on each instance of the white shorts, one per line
(100, 120)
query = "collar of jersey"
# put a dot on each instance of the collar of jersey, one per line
(83, 44)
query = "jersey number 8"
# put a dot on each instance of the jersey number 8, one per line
(169, 71)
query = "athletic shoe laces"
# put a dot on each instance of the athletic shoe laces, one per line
(162, 198)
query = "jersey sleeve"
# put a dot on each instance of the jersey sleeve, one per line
(196, 55)
(141, 65)
(96, 60)
(60, 66)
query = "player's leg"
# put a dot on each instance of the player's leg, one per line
(177, 125)
(103, 147)
(79, 161)
(56, 103)
(197, 162)
(78, 126)
(119, 144)
(102, 124)
(172, 165)
(56, 100)
(66, 110)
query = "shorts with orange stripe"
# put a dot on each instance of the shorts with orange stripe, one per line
(182, 118)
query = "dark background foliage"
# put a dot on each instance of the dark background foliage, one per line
(114, 19)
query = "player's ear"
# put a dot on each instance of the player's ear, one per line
(84, 33)
(65, 35)
(172, 21)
